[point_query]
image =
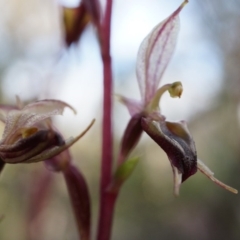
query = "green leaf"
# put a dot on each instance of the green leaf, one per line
(126, 168)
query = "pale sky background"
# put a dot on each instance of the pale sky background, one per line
(76, 76)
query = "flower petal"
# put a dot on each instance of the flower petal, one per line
(181, 151)
(155, 53)
(4, 109)
(25, 143)
(181, 130)
(177, 176)
(32, 114)
(40, 110)
(24, 158)
(134, 107)
(208, 173)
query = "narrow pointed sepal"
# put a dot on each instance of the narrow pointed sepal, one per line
(208, 173)
(177, 179)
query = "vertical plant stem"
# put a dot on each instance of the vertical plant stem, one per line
(107, 200)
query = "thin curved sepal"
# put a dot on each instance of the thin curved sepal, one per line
(208, 173)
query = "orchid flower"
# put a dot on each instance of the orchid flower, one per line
(28, 135)
(173, 137)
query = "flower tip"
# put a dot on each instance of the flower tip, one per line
(175, 90)
(19, 103)
(177, 181)
(233, 190)
(223, 185)
(181, 7)
(208, 173)
(183, 4)
(74, 110)
(70, 107)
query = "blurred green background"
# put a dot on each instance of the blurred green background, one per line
(34, 65)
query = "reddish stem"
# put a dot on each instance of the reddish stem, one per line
(107, 200)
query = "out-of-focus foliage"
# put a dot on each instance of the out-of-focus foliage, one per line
(146, 208)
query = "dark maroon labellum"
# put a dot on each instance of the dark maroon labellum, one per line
(25, 148)
(180, 150)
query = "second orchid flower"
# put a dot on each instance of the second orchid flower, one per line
(173, 137)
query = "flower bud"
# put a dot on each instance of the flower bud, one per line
(75, 21)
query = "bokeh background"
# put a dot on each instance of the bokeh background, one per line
(34, 64)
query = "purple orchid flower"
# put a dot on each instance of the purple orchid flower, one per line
(173, 137)
(28, 135)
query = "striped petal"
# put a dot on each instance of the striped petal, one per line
(32, 114)
(154, 54)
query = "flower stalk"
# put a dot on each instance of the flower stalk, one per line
(107, 199)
